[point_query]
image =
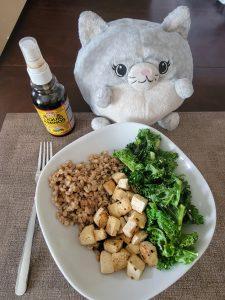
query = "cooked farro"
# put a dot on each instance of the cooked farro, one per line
(77, 189)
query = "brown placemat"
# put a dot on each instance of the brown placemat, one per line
(200, 136)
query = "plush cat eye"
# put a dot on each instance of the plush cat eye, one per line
(163, 67)
(120, 70)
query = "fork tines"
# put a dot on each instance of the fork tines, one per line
(45, 154)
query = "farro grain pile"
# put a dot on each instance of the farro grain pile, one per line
(77, 189)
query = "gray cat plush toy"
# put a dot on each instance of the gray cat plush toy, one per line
(135, 70)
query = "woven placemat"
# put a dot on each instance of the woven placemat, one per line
(200, 136)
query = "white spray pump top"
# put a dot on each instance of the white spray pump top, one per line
(37, 67)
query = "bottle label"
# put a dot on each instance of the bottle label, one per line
(57, 121)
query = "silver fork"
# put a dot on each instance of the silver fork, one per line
(45, 153)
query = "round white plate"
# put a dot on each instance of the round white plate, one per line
(79, 265)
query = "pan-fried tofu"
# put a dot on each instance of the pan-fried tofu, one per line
(87, 236)
(124, 206)
(100, 234)
(139, 237)
(101, 217)
(130, 195)
(126, 253)
(149, 253)
(126, 218)
(113, 226)
(130, 227)
(114, 209)
(133, 249)
(138, 203)
(109, 186)
(113, 245)
(94, 246)
(119, 194)
(117, 176)
(122, 224)
(119, 208)
(140, 218)
(106, 263)
(135, 267)
(125, 238)
(113, 199)
(123, 184)
(120, 259)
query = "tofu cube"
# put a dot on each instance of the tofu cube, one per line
(139, 237)
(130, 195)
(125, 252)
(106, 264)
(149, 253)
(113, 245)
(140, 218)
(129, 228)
(119, 194)
(125, 238)
(109, 186)
(120, 259)
(100, 234)
(126, 218)
(94, 246)
(87, 236)
(133, 249)
(101, 217)
(114, 209)
(117, 176)
(113, 226)
(138, 203)
(135, 267)
(113, 195)
(124, 206)
(123, 184)
(120, 208)
(122, 224)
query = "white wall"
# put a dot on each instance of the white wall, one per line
(9, 14)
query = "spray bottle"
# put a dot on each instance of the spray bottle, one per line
(48, 95)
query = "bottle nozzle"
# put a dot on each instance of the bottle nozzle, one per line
(31, 52)
(37, 67)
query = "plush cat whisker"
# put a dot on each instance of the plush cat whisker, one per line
(147, 79)
(142, 81)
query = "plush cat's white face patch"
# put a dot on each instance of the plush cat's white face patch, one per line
(143, 76)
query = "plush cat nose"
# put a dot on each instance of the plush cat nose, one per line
(146, 72)
(143, 76)
(143, 70)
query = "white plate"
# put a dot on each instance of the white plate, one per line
(78, 264)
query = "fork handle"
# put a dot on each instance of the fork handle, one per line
(23, 270)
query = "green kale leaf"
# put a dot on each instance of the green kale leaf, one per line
(151, 172)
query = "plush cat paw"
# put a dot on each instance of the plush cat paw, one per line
(170, 122)
(103, 96)
(99, 122)
(184, 88)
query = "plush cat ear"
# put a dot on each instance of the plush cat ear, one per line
(178, 20)
(89, 25)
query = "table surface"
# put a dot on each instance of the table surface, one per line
(54, 24)
(199, 135)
